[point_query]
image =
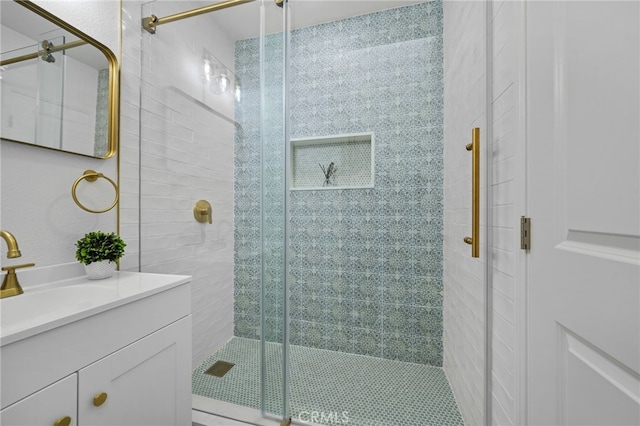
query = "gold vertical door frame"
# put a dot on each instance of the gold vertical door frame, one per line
(474, 147)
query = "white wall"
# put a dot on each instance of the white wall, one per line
(35, 183)
(508, 175)
(80, 100)
(464, 277)
(96, 18)
(465, 82)
(129, 151)
(18, 90)
(186, 154)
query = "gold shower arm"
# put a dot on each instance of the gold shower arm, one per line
(150, 23)
(474, 147)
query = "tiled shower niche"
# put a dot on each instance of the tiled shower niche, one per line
(365, 264)
(333, 162)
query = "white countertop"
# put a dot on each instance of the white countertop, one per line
(46, 307)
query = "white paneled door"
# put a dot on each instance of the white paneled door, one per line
(583, 193)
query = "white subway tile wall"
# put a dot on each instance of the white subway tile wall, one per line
(129, 151)
(503, 149)
(464, 103)
(177, 151)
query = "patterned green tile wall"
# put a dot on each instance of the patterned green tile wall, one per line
(366, 264)
(101, 138)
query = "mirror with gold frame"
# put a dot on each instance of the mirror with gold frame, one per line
(58, 86)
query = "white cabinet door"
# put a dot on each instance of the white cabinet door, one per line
(146, 383)
(583, 110)
(45, 407)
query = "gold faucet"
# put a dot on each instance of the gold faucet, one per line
(12, 244)
(10, 285)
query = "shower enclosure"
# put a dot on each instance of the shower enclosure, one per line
(316, 131)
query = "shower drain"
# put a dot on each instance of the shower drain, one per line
(219, 368)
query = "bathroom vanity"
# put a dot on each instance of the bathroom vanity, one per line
(109, 352)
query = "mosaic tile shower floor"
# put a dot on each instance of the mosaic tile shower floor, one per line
(373, 391)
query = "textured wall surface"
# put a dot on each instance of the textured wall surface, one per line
(98, 18)
(506, 102)
(366, 264)
(464, 277)
(182, 152)
(130, 84)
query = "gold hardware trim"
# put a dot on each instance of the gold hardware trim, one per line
(63, 421)
(92, 176)
(100, 399)
(202, 211)
(151, 23)
(525, 233)
(474, 147)
(10, 285)
(114, 78)
(38, 53)
(286, 422)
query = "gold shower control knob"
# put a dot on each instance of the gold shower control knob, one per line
(63, 421)
(202, 211)
(100, 399)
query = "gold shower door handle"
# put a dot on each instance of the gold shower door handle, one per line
(474, 147)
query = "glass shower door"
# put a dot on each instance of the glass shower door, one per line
(273, 41)
(212, 128)
(365, 212)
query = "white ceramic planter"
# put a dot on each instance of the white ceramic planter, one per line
(100, 270)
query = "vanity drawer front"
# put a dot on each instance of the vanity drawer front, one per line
(46, 406)
(147, 383)
(35, 362)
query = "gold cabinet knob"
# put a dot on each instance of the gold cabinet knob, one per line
(63, 421)
(100, 399)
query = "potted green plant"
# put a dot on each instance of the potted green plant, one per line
(99, 252)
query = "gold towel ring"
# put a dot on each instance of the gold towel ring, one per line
(92, 176)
